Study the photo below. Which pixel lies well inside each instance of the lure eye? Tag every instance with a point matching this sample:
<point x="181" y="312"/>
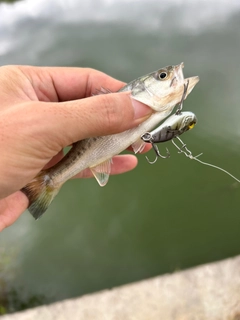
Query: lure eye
<point x="191" y="126"/>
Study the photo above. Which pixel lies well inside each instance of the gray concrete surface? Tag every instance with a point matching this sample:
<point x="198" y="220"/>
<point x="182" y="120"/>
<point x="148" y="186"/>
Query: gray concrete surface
<point x="209" y="292"/>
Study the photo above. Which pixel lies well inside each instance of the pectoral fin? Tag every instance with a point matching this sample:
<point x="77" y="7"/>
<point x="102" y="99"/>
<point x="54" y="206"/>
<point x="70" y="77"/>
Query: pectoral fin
<point x="102" y="171"/>
<point x="138" y="145"/>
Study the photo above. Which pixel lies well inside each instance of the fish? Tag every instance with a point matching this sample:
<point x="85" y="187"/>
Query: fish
<point x="161" y="90"/>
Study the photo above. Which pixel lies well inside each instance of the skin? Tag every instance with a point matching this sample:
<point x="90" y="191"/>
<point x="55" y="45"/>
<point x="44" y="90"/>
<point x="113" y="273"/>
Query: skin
<point x="43" y="110"/>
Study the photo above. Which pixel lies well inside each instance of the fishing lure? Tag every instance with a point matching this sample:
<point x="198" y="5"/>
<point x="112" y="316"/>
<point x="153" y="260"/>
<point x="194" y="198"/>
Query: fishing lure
<point x="171" y="128"/>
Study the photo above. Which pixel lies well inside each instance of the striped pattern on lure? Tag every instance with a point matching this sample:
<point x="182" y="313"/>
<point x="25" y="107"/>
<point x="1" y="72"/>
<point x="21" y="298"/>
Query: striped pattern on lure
<point x="161" y="90"/>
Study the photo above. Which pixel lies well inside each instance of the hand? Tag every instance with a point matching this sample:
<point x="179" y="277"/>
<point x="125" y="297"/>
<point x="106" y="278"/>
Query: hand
<point x="43" y="110"/>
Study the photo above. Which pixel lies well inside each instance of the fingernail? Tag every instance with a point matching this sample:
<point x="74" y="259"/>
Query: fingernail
<point x="141" y="110"/>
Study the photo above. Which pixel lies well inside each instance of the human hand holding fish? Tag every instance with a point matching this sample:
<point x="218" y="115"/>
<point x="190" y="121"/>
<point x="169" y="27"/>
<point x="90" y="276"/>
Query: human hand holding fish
<point x="44" y="110"/>
<point x="54" y="104"/>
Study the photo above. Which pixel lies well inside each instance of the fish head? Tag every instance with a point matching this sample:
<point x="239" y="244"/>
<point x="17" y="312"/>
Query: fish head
<point x="163" y="89"/>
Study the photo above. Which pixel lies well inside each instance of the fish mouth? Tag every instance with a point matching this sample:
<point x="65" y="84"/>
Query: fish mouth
<point x="179" y="66"/>
<point x="178" y="79"/>
<point x="178" y="76"/>
<point x="192" y="81"/>
<point x="178" y="72"/>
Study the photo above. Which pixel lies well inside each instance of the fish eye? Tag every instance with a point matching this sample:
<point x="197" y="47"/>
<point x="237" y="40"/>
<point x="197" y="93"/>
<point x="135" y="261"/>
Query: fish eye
<point x="163" y="75"/>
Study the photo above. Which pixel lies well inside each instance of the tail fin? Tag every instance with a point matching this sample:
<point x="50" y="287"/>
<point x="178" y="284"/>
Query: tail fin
<point x="40" y="192"/>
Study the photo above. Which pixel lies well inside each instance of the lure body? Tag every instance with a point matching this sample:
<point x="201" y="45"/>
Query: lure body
<point x="172" y="127"/>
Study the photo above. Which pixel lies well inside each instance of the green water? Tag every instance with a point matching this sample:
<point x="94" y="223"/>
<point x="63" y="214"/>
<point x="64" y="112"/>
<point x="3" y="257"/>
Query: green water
<point x="158" y="218"/>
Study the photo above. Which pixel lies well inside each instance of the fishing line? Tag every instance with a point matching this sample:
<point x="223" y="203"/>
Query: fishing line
<point x="188" y="154"/>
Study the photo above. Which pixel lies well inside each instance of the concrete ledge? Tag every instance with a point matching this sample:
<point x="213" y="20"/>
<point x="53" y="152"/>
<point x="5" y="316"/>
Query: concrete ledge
<point x="209" y="292"/>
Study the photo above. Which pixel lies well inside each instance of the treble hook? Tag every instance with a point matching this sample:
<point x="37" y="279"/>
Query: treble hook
<point x="179" y="109"/>
<point x="147" y="137"/>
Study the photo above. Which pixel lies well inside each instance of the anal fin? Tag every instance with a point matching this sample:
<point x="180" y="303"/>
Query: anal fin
<point x="102" y="172"/>
<point x="138" y="145"/>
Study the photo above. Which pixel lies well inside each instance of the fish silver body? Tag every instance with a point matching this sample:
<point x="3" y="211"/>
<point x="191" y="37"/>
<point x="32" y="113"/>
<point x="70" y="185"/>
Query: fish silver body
<point x="161" y="90"/>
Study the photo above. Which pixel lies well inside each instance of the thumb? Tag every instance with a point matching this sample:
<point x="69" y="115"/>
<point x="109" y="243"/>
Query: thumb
<point x="94" y="116"/>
